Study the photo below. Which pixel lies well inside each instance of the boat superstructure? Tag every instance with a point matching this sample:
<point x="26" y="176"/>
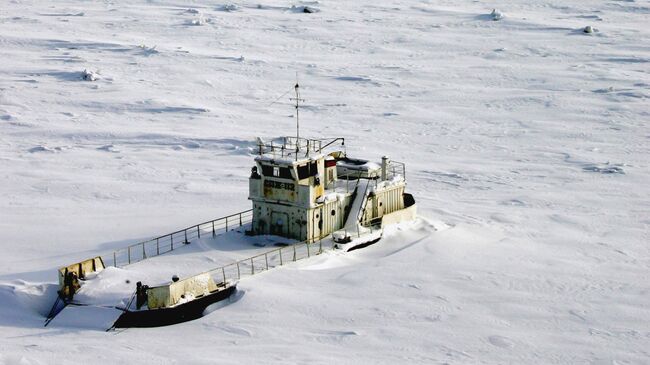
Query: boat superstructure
<point x="307" y="189"/>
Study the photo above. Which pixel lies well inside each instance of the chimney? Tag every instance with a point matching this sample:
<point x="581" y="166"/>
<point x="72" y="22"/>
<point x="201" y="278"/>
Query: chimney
<point x="384" y="167"/>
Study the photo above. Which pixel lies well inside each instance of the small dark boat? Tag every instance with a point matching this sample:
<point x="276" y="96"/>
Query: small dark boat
<point x="179" y="313"/>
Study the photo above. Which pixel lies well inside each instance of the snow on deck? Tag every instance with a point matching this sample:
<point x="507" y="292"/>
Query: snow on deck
<point x="114" y="286"/>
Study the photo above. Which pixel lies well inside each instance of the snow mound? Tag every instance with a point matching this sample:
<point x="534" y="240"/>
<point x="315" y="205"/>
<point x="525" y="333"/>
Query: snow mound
<point x="90" y="75"/>
<point x="197" y="21"/>
<point x="304" y="9"/>
<point x="229" y="8"/>
<point x="113" y="288"/>
<point x="27" y="299"/>
<point x="43" y="148"/>
<point x="108" y="148"/>
<point x="496" y="15"/>
<point x="148" y="51"/>
<point x="605" y="169"/>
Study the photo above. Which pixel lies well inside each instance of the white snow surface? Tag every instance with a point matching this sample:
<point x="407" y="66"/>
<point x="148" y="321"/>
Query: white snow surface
<point x="526" y="143"/>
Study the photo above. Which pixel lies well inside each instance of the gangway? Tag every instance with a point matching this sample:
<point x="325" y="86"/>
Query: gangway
<point x="354" y="234"/>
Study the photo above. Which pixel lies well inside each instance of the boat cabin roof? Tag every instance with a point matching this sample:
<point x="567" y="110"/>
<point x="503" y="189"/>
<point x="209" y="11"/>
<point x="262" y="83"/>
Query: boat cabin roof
<point x="298" y="151"/>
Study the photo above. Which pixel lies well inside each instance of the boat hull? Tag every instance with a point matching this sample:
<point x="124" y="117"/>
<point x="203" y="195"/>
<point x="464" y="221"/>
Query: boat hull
<point x="167" y="316"/>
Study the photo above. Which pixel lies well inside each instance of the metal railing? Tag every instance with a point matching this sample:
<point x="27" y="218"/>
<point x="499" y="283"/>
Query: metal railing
<point x="352" y="178"/>
<point x="167" y="243"/>
<point x="292" y="146"/>
<point x="266" y="261"/>
<point x="396" y="169"/>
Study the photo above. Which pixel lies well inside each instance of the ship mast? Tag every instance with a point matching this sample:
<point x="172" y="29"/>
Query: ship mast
<point x="298" y="100"/>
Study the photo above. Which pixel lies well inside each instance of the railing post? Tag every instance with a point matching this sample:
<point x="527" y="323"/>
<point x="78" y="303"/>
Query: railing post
<point x="144" y="254"/>
<point x="214" y="234"/>
<point x="280" y="252"/>
<point x="307" y="244"/>
<point x="252" y="267"/>
<point x="226" y="224"/>
<point x="114" y="259"/>
<point x="240" y="224"/>
<point x="294" y="252"/>
<point x="186" y="242"/>
<point x="157" y="246"/>
<point x="223" y="272"/>
<point x="238" y="272"/>
<point x="198" y="231"/>
<point x="320" y="245"/>
<point x="171" y="237"/>
<point x="267" y="260"/>
<point x="129" y="253"/>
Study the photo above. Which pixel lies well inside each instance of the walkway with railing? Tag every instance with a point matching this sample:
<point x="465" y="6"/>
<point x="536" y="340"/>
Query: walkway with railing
<point x="267" y="260"/>
<point x="167" y="243"/>
<point x="231" y="272"/>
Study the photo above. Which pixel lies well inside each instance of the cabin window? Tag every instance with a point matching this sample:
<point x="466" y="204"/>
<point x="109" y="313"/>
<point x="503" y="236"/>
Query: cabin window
<point x="277" y="171"/>
<point x="285" y="173"/>
<point x="307" y="170"/>
<point x="267" y="170"/>
<point x="303" y="172"/>
<point x="333" y="212"/>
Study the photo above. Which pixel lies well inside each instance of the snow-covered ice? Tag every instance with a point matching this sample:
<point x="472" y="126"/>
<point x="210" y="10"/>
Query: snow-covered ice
<point x="526" y="142"/>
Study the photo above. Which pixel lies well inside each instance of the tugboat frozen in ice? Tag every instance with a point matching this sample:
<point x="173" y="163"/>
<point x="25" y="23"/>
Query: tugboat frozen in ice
<point x="304" y="192"/>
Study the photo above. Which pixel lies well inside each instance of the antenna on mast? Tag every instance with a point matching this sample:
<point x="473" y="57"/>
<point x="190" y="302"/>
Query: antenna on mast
<point x="298" y="100"/>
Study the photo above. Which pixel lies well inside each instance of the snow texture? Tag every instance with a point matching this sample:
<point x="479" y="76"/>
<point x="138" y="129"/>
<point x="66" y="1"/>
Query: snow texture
<point x="526" y="142"/>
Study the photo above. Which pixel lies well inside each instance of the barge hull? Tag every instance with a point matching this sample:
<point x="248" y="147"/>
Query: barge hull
<point x="173" y="315"/>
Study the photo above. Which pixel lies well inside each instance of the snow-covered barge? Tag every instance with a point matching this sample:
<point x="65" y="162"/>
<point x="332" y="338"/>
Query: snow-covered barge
<point x="307" y="196"/>
<point x="304" y="192"/>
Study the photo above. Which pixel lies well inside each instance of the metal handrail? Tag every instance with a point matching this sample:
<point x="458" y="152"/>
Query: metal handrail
<point x="165" y="243"/>
<point x="279" y="261"/>
<point x="290" y="146"/>
<point x="394" y="167"/>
